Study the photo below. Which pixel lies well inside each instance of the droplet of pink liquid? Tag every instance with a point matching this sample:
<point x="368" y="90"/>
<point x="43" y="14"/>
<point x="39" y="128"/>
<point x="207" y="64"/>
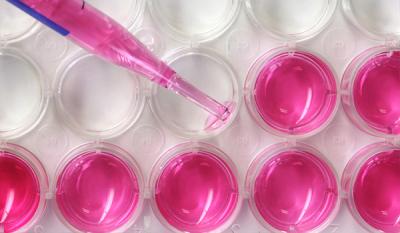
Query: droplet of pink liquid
<point x="376" y="191"/>
<point x="214" y="123"/>
<point x="196" y="192"/>
<point x="19" y="192"/>
<point x="295" y="92"/>
<point x="295" y="191"/>
<point x="376" y="92"/>
<point x="97" y="192"/>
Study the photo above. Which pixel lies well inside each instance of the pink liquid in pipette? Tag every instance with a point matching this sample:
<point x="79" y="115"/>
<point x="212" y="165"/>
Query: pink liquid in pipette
<point x="376" y="191"/>
<point x="19" y="192"/>
<point x="101" y="35"/>
<point x="295" y="191"/>
<point x="377" y="92"/>
<point x="295" y="92"/>
<point x="196" y="192"/>
<point x="97" y="192"/>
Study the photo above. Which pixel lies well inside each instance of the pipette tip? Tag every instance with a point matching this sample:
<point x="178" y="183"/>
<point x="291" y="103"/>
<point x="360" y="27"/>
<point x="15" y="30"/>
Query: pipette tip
<point x="214" y="122"/>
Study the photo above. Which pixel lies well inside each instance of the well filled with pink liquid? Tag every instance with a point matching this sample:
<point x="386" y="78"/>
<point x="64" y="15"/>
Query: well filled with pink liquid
<point x="295" y="191"/>
<point x="19" y="192"/>
<point x="376" y="92"/>
<point x="295" y="92"/>
<point x="196" y="192"/>
<point x="97" y="192"/>
<point x="376" y="191"/>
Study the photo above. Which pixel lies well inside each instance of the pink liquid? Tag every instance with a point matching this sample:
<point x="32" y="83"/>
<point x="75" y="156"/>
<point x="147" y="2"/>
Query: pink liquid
<point x="19" y="192"/>
<point x="196" y="192"/>
<point x="295" y="92"/>
<point x="377" y="92"/>
<point x="376" y="191"/>
<point x="295" y="191"/>
<point x="97" y="192"/>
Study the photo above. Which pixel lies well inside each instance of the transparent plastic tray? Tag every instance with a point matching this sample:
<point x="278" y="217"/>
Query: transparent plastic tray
<point x="312" y="140"/>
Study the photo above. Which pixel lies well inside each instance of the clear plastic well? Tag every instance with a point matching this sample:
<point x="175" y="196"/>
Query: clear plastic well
<point x="379" y="19"/>
<point x="209" y="72"/>
<point x="96" y="98"/>
<point x="291" y="20"/>
<point x="195" y="20"/>
<point x="23" y="97"/>
<point x="14" y="24"/>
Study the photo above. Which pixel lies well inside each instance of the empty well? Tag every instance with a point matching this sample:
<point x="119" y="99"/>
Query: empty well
<point x="23" y="100"/>
<point x="210" y="73"/>
<point x="380" y="19"/>
<point x="291" y="19"/>
<point x="96" y="98"/>
<point x="195" y="20"/>
<point x="14" y="23"/>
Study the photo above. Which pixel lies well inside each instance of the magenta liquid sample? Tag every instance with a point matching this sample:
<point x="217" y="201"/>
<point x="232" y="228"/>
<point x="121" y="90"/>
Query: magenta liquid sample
<point x="376" y="191"/>
<point x="97" y="192"/>
<point x="376" y="92"/>
<point x="295" y="92"/>
<point x="196" y="192"/>
<point x="295" y="190"/>
<point x="19" y="192"/>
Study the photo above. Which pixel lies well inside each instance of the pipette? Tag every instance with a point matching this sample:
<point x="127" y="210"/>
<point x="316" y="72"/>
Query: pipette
<point x="101" y="35"/>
